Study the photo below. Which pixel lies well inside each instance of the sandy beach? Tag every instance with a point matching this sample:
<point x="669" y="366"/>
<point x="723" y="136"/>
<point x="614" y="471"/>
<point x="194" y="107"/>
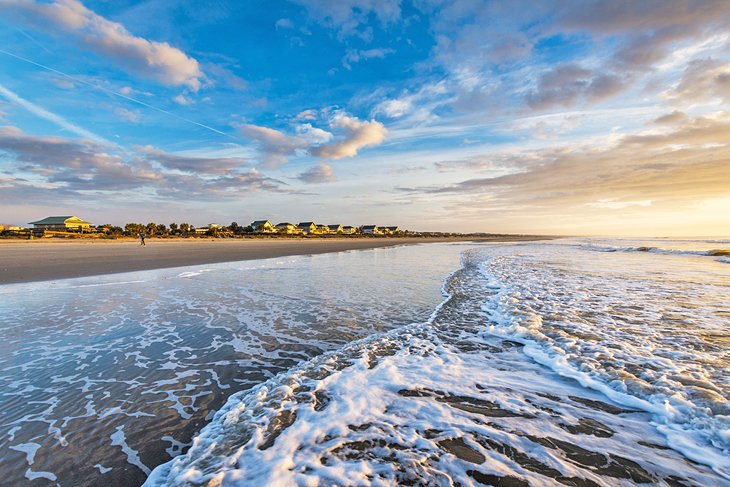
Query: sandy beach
<point x="40" y="260"/>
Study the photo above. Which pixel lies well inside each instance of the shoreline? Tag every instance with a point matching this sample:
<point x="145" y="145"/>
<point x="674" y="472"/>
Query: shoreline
<point x="39" y="260"/>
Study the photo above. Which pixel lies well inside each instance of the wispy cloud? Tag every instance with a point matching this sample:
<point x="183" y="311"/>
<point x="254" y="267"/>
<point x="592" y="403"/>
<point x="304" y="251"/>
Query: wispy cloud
<point x="51" y="117"/>
<point x="111" y="40"/>
<point x="356" y="55"/>
<point x="74" y="166"/>
<point x="688" y="163"/>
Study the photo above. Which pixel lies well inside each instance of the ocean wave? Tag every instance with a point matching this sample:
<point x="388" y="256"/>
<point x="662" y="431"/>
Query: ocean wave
<point x="657" y="250"/>
<point x="436" y="403"/>
<point x="583" y="330"/>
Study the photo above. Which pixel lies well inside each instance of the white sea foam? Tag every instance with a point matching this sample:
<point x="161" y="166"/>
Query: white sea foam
<point x="639" y="348"/>
<point x="442" y="402"/>
<point x="154" y="352"/>
<point x="118" y="439"/>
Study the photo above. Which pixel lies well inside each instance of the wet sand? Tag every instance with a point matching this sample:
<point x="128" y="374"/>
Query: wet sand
<point x="42" y="260"/>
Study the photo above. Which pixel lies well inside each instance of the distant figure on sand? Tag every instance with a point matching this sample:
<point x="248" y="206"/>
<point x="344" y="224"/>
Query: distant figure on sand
<point x="141" y="239"/>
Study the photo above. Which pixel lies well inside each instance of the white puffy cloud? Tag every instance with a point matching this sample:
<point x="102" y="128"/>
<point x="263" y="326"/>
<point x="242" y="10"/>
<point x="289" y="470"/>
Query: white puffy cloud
<point x="347" y="135"/>
<point x="356" y="135"/>
<point x="313" y="135"/>
<point x="111" y="40"/>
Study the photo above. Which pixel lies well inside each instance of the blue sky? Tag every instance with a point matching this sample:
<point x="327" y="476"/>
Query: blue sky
<point x="562" y="117"/>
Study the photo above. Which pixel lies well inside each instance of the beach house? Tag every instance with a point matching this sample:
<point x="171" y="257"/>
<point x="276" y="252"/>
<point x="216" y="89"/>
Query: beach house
<point x="263" y="226"/>
<point x="212" y="227"/>
<point x="371" y="230"/>
<point x="349" y="230"/>
<point x="62" y="223"/>
<point x="288" y="228"/>
<point x="393" y="230"/>
<point x="308" y="227"/>
<point x="335" y="228"/>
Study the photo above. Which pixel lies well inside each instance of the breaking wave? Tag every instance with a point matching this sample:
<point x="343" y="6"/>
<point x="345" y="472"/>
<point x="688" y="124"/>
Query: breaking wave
<point x="466" y="398"/>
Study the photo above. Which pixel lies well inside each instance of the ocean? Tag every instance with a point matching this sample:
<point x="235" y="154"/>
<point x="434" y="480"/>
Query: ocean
<point x="566" y="362"/>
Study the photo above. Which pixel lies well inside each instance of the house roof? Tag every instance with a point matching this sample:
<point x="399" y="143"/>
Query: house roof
<point x="260" y="222"/>
<point x="306" y="224"/>
<point x="394" y="227"/>
<point x="285" y="224"/>
<point x="335" y="226"/>
<point x="369" y="227"/>
<point x="58" y="220"/>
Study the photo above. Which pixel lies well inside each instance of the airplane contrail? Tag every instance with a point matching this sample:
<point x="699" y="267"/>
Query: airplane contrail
<point x="51" y="117"/>
<point x="112" y="92"/>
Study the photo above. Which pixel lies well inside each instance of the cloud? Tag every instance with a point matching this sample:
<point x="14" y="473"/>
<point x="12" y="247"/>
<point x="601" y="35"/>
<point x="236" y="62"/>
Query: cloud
<point x="284" y="23"/>
<point x="307" y="115"/>
<point x="703" y="79"/>
<point x="674" y="118"/>
<point x="313" y="135"/>
<point x="355" y="56"/>
<point x="70" y="168"/>
<point x="82" y="164"/>
<point x="195" y="165"/>
<point x="275" y="145"/>
<point x="111" y="40"/>
<point x="644" y="32"/>
<point x="181" y="99"/>
<point x="568" y="84"/>
<point x="322" y="173"/>
<point x="351" y="17"/>
<point x="51" y="117"/>
<point x="132" y="116"/>
<point x="350" y="135"/>
<point x="478" y="163"/>
<point x="357" y="134"/>
<point x="686" y="164"/>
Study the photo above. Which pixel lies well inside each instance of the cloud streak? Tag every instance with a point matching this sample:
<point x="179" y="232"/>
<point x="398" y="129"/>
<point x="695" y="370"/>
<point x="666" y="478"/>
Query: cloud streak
<point x="51" y="117"/>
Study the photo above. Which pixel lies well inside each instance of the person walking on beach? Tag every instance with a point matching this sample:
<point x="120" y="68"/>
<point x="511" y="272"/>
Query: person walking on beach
<point x="141" y="239"/>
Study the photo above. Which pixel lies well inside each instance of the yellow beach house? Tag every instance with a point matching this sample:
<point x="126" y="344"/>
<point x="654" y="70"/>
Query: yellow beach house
<point x="288" y="228"/>
<point x="62" y="223"/>
<point x="263" y="226"/>
<point x="308" y="227"/>
<point x="371" y="230"/>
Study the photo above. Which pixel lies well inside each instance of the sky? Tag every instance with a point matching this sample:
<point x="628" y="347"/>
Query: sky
<point x="563" y="117"/>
